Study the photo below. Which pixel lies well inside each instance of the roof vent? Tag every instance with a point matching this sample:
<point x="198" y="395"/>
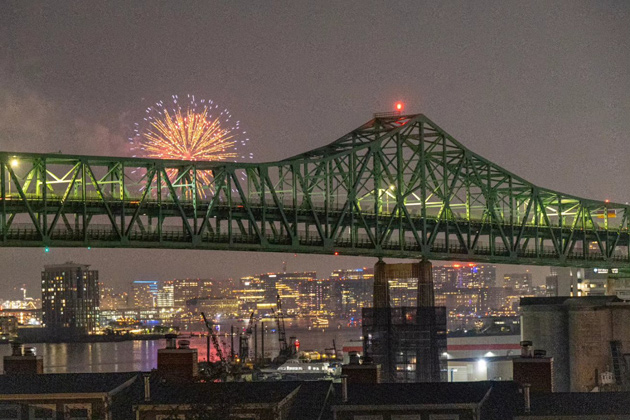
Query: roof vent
<point x="354" y="358"/>
<point x="16" y="348"/>
<point x="171" y="341"/>
<point x="540" y="353"/>
<point x="526" y="349"/>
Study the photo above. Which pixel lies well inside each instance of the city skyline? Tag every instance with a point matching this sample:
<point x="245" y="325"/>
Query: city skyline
<point x="521" y="85"/>
<point x="314" y="210"/>
<point x="301" y="263"/>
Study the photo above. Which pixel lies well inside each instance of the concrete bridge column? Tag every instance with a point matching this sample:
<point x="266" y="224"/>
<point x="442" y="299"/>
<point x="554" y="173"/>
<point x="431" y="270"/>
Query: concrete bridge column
<point x="426" y="296"/>
<point x="381" y="286"/>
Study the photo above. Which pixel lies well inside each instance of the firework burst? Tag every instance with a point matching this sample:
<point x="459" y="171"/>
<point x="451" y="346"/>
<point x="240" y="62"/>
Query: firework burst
<point x="186" y="129"/>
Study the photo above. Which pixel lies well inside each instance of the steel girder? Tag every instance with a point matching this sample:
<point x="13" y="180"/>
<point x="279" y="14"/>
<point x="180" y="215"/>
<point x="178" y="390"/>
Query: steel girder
<point x="397" y="186"/>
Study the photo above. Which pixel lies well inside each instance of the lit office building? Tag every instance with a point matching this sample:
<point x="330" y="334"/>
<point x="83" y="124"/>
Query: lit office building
<point x="213" y="307"/>
<point x="445" y="276"/>
<point x="464" y="276"/>
<point x="186" y="289"/>
<point x="402" y="292"/>
<point x="165" y="297"/>
<point x="250" y="294"/>
<point x="111" y="300"/>
<point x="144" y="293"/>
<point x="352" y="290"/>
<point x="520" y="283"/>
<point x="70" y="299"/>
<point x="287" y="286"/>
<point x="593" y="281"/>
<point x="315" y="297"/>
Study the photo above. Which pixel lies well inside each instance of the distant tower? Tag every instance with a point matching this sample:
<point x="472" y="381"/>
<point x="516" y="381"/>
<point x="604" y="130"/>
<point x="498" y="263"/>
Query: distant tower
<point x="70" y="299"/>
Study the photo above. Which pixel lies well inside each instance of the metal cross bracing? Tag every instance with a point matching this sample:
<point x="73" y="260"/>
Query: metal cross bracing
<point x="398" y="186"/>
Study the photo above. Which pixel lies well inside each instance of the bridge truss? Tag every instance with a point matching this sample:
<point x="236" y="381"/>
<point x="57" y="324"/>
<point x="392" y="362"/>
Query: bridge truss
<point x="398" y="186"/>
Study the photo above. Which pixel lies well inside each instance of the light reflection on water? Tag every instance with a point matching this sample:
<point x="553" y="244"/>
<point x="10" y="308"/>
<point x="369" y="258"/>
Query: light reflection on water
<point x="129" y="356"/>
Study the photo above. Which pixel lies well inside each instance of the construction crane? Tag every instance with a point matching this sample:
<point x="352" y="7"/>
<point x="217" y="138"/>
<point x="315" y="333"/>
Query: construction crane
<point x="282" y="335"/>
<point x="215" y="343"/>
<point x="243" y="344"/>
<point x="286" y="351"/>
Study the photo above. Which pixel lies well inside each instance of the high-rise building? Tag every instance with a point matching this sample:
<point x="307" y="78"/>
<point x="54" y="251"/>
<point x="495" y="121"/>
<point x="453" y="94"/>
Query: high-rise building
<point x="70" y="299"/>
<point x="111" y="300"/>
<point x="186" y="289"/>
<point x="592" y="282"/>
<point x="562" y="282"/>
<point x="352" y="290"/>
<point x="315" y="297"/>
<point x="464" y="276"/>
<point x="402" y="289"/>
<point x="445" y="276"/>
<point x="144" y="294"/>
<point x="165" y="297"/>
<point x="520" y="283"/>
<point x="250" y="293"/>
<point x="287" y="286"/>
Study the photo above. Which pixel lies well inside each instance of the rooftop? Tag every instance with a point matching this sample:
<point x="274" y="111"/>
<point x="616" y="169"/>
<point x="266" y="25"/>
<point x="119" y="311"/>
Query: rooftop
<point x="214" y="393"/>
<point x="580" y="403"/>
<point x="498" y="400"/>
<point x="415" y="393"/>
<point x="63" y="383"/>
<point x="569" y="300"/>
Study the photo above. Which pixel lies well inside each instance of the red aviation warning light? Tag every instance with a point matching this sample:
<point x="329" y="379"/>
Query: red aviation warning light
<point x="399" y="106"/>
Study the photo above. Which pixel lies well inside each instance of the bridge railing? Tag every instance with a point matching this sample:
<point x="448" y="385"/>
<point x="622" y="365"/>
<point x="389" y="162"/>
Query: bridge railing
<point x="98" y="232"/>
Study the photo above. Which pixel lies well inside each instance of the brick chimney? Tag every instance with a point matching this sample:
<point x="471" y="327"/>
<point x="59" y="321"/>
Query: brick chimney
<point x="22" y="360"/>
<point x="177" y="363"/>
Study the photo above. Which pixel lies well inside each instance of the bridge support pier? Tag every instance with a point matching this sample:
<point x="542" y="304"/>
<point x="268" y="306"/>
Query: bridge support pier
<point x="381" y="286"/>
<point x="426" y="296"/>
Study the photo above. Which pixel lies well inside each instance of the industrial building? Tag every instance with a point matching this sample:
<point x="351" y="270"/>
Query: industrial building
<point x="586" y="336"/>
<point x="408" y="342"/>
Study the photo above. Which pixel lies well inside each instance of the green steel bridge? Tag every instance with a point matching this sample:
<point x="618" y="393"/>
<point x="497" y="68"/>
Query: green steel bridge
<point x="398" y="186"/>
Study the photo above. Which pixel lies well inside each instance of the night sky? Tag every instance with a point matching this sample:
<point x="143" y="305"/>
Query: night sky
<point x="541" y="88"/>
